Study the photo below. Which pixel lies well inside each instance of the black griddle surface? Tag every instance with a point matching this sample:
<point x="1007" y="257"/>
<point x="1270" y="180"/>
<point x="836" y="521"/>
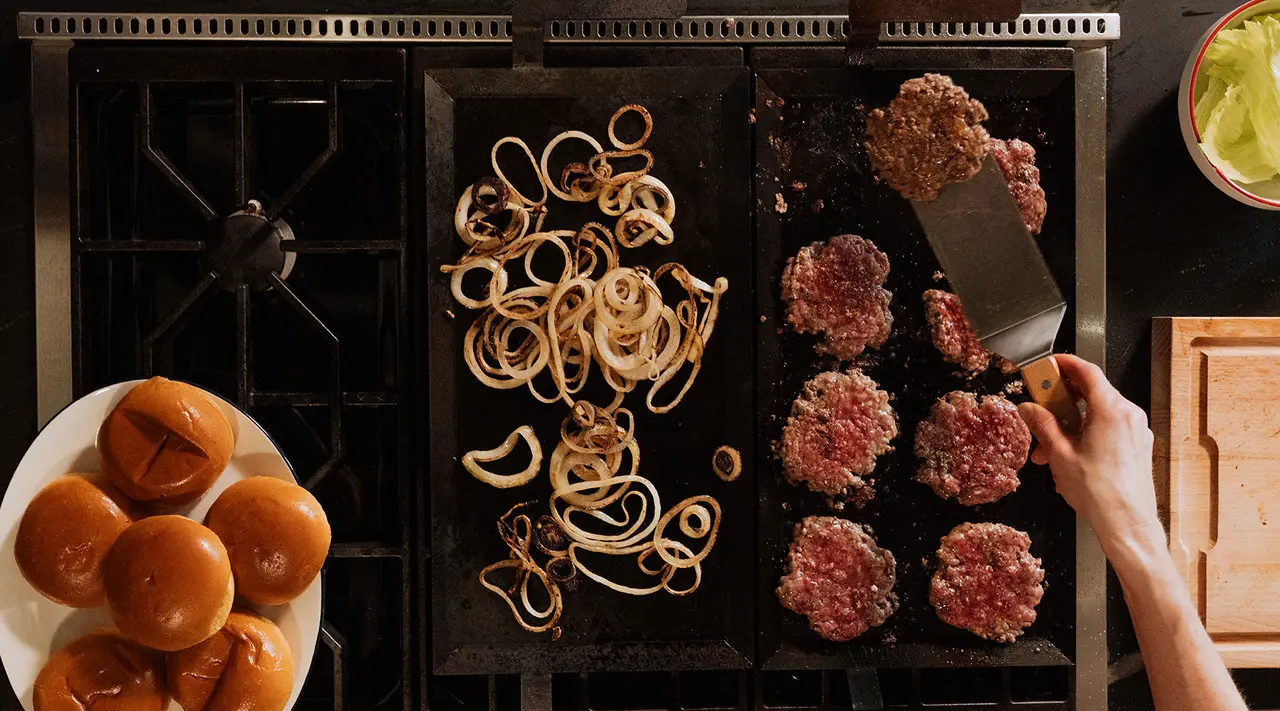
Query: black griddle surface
<point x="809" y="133"/>
<point x="701" y="147"/>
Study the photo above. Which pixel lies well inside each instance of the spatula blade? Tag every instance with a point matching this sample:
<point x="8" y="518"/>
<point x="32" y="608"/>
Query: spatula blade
<point x="994" y="265"/>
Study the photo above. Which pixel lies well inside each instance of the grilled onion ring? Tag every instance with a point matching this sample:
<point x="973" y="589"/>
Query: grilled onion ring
<point x="566" y="193"/>
<point x="497" y="169"/>
<point x="648" y="127"/>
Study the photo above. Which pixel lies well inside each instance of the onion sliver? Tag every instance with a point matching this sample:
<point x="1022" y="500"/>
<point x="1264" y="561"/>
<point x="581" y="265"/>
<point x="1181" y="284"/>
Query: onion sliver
<point x="556" y="605"/>
<point x="707" y="511"/>
<point x="640" y="226"/>
<point x="497" y="169"/>
<point x="498" y="276"/>
<point x="546" y="155"/>
<point x="472" y="460"/>
<point x="640" y="192"/>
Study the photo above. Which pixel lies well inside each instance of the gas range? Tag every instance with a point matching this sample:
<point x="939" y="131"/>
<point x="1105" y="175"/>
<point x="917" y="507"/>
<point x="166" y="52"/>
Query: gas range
<point x="242" y="201"/>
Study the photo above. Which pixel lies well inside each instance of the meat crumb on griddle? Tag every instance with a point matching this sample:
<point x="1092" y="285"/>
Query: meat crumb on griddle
<point x="1017" y="160"/>
<point x="838" y="426"/>
<point x="837" y="289"/>
<point x="931" y="135"/>
<point x="972" y="450"/>
<point x="987" y="581"/>
<point x="954" y="336"/>
<point x="839" y="578"/>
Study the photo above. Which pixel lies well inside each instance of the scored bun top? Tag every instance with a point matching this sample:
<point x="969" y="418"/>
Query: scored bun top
<point x="276" y="534"/>
<point x="245" y="665"/>
<point x="65" y="534"/>
<point x="168" y="582"/>
<point x="166" y="442"/>
<point x="102" y="671"/>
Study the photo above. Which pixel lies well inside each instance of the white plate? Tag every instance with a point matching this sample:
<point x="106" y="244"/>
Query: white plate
<point x="32" y="627"/>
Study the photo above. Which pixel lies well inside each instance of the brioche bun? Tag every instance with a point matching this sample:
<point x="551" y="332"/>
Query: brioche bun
<point x="245" y="665"/>
<point x="276" y="535"/>
<point x="65" y="534"/>
<point x="168" y="583"/>
<point x="102" y="671"/>
<point x="165" y="442"/>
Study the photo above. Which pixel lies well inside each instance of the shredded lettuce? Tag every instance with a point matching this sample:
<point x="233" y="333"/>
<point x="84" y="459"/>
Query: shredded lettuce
<point x="1213" y="94"/>
<point x="1230" y="142"/>
<point x="1239" y="112"/>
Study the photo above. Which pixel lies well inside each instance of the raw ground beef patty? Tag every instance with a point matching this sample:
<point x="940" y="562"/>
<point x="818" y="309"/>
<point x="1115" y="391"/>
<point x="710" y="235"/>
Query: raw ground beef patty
<point x="839" y="578"/>
<point x="931" y="135"/>
<point x="987" y="582"/>
<point x="837" y="289"/>
<point x="1017" y="160"/>
<point x="953" y="335"/>
<point x="972" y="449"/>
<point x="838" y="426"/>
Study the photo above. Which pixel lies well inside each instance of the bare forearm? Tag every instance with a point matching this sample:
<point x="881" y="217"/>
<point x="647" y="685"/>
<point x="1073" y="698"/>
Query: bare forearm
<point x="1184" y="670"/>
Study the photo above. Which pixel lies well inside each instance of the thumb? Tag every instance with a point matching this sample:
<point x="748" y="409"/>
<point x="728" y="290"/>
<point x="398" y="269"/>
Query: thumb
<point x="1045" y="427"/>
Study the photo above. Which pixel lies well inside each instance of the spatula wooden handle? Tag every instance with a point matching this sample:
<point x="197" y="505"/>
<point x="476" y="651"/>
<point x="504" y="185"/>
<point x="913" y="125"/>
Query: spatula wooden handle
<point x="1050" y="392"/>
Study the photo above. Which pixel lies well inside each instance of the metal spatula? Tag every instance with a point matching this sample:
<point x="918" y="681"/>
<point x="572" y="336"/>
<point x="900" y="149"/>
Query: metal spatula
<point x="995" y="267"/>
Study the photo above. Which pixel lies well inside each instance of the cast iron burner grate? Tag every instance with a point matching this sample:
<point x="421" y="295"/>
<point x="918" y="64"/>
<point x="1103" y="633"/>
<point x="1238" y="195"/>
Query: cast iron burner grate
<point x="241" y="224"/>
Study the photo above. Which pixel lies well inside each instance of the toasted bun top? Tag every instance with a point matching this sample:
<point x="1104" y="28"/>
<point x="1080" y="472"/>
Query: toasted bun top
<point x="168" y="582"/>
<point x="245" y="665"/>
<point x="102" y="671"/>
<point x="65" y="534"/>
<point x="165" y="441"/>
<point x="276" y="534"/>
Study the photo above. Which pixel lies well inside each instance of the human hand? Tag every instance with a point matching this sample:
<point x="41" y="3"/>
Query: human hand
<point x="1104" y="472"/>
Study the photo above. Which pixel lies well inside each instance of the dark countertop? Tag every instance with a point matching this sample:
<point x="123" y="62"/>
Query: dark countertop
<point x="1177" y="246"/>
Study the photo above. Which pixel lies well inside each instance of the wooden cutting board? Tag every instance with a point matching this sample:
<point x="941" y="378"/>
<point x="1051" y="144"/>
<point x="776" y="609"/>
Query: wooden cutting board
<point x="1215" y="412"/>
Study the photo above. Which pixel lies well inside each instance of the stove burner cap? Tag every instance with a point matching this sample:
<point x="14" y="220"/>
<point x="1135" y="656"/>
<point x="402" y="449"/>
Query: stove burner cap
<point x="244" y="249"/>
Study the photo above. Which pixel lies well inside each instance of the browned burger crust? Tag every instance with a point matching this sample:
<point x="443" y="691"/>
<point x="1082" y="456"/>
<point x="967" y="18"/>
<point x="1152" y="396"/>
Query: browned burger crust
<point x="839" y="578"/>
<point x="931" y="135"/>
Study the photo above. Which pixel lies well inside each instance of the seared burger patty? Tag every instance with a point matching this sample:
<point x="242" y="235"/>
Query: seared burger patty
<point x="1017" y="160"/>
<point x="838" y="426"/>
<point x="987" y="581"/>
<point x="931" y="135"/>
<point x="839" y="578"/>
<point x="953" y="335"/>
<point x="837" y="289"/>
<point x="972" y="449"/>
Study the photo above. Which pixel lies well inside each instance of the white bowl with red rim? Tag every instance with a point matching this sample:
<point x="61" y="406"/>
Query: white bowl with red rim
<point x="1195" y="78"/>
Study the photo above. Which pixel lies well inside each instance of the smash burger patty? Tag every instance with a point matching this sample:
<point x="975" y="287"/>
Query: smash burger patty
<point x="837" y="289"/>
<point x="987" y="582"/>
<point x="1017" y="160"/>
<point x="930" y="136"/>
<point x="838" y="426"/>
<point x="839" y="578"/>
<point x="953" y="335"/>
<point x="971" y="449"/>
